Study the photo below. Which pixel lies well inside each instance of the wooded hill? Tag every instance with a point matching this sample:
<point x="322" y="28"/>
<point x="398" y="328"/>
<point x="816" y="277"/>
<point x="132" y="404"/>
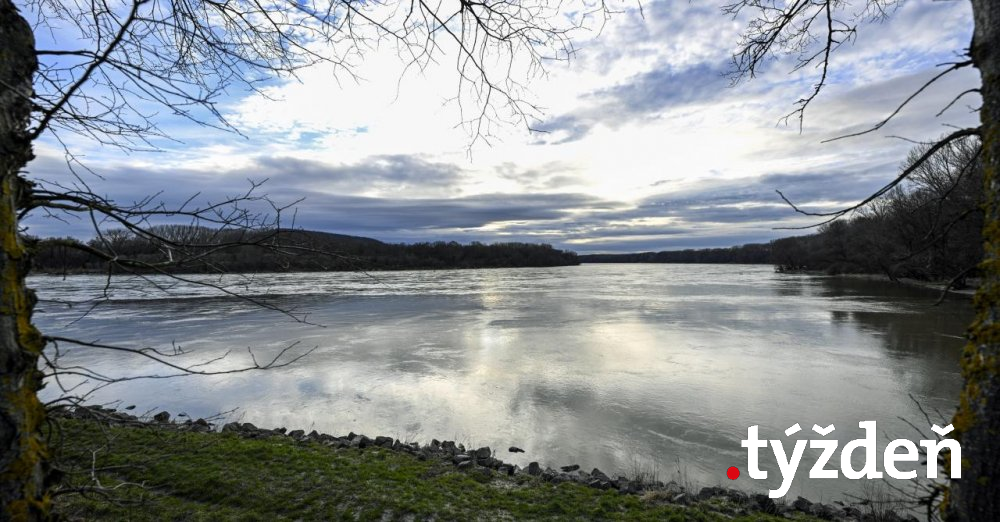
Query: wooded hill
<point x="174" y="248"/>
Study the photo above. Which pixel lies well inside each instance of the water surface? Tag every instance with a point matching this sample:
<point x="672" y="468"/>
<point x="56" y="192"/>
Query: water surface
<point x="611" y="366"/>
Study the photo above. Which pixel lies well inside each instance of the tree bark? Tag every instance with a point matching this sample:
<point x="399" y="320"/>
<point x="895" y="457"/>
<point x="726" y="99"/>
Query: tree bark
<point x="23" y="455"/>
<point x="976" y="496"/>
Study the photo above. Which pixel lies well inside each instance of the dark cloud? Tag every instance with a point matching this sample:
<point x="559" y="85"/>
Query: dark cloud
<point x="313" y="186"/>
<point x="713" y="196"/>
<point x="664" y="87"/>
<point x="387" y="172"/>
<point x="386" y="214"/>
<point x="707" y="213"/>
<point x="643" y="96"/>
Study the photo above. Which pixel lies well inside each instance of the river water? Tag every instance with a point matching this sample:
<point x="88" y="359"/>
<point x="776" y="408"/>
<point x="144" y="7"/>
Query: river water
<point x="613" y="366"/>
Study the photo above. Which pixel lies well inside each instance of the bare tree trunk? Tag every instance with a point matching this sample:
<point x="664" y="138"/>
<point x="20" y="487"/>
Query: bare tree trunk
<point x="976" y="496"/>
<point x="23" y="455"/>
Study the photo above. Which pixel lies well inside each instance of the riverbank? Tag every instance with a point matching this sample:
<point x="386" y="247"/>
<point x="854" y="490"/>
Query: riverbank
<point x="162" y="470"/>
<point x="936" y="286"/>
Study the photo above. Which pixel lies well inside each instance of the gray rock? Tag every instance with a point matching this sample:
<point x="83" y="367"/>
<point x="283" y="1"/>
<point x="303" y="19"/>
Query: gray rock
<point x="852" y="512"/>
<point x="448" y="446"/>
<point x="737" y="497"/>
<point x="711" y="492"/>
<point x="599" y="484"/>
<point x="295" y="434"/>
<point x="598" y="474"/>
<point x="232" y="427"/>
<point x="837" y="513"/>
<point x="515" y="449"/>
<point x="764" y="503"/>
<point x="465" y="465"/>
<point x="682" y="499"/>
<point x="506" y="469"/>
<point x="385" y="442"/>
<point x="460" y="458"/>
<point x="249" y="427"/>
<point x="820" y="510"/>
<point x="364" y="442"/>
<point x="484" y="453"/>
<point x="626" y="486"/>
<point x="569" y="468"/>
<point x="801" y="504"/>
<point x="559" y="478"/>
<point x="162" y="417"/>
<point x="534" y="469"/>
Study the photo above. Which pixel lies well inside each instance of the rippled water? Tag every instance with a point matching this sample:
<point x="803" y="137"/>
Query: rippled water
<point x="601" y="365"/>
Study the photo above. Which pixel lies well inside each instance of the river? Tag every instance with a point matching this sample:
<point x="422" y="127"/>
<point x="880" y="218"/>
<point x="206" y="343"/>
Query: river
<point x="612" y="366"/>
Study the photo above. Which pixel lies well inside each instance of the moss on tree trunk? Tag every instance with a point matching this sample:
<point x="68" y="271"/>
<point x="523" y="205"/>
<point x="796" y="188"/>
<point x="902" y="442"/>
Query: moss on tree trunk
<point x="976" y="496"/>
<point x="23" y="455"/>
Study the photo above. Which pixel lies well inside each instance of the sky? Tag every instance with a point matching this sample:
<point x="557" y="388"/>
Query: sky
<point x="641" y="142"/>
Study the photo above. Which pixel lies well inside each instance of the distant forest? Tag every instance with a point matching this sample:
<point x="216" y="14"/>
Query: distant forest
<point x="756" y="253"/>
<point x="178" y="248"/>
<point x="928" y="228"/>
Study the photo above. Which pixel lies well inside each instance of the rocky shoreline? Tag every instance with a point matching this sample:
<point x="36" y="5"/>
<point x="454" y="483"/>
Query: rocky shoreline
<point x="484" y="461"/>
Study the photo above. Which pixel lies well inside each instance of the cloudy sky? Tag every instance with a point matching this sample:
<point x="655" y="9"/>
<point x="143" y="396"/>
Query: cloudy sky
<point x="641" y="144"/>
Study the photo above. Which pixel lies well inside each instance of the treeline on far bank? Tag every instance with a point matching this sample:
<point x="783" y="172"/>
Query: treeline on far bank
<point x="751" y="254"/>
<point x="927" y="227"/>
<point x="189" y="249"/>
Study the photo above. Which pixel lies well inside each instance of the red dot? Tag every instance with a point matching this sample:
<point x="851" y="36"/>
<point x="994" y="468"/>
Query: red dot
<point x="733" y="473"/>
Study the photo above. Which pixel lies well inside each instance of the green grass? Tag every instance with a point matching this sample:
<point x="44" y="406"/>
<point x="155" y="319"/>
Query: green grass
<point x="196" y="476"/>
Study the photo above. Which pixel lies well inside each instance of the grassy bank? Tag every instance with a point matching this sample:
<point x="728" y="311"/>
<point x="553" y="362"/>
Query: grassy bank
<point x="212" y="476"/>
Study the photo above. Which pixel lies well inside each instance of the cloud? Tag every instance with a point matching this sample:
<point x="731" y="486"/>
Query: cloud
<point x="643" y="96"/>
<point x="552" y="175"/>
<point x="644" y="144"/>
<point x="390" y="215"/>
<point x="381" y="196"/>
<point x="395" y="173"/>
